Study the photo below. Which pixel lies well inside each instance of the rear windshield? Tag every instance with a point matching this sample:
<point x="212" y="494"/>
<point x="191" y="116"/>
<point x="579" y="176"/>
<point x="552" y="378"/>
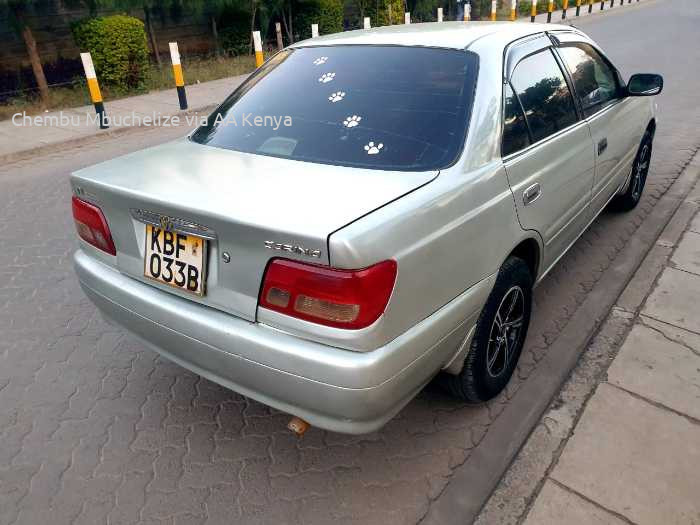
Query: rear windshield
<point x="382" y="107"/>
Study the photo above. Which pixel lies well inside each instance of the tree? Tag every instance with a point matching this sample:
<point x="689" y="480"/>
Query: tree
<point x="281" y="9"/>
<point x="149" y="7"/>
<point x="212" y="9"/>
<point x="18" y="10"/>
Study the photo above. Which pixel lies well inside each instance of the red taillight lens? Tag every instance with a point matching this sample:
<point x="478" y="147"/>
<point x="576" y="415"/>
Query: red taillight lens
<point x="342" y="298"/>
<point x="92" y="226"/>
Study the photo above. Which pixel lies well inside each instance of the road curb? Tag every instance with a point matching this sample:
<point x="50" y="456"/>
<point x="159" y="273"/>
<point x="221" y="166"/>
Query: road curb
<point x="472" y="484"/>
<point x="518" y="488"/>
<point x="97" y="137"/>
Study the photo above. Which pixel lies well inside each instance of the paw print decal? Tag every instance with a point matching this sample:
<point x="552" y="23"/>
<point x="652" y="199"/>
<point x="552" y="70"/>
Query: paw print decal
<point x="337" y="96"/>
<point x="351" y="122"/>
<point x="371" y="149"/>
<point x="326" y="77"/>
<point x="320" y="60"/>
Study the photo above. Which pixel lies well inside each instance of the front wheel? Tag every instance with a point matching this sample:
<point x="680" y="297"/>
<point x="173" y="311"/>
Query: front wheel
<point x="640" y="169"/>
<point x="498" y="338"/>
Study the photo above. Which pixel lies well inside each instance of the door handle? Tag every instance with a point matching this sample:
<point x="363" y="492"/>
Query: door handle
<point x="602" y="145"/>
<point x="531" y="194"/>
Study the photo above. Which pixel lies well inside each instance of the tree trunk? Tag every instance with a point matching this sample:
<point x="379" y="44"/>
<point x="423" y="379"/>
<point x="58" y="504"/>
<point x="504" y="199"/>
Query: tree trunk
<point x="152" y="35"/>
<point x="215" y="35"/>
<point x="34" y="58"/>
<point x="253" y="10"/>
<point x="288" y="26"/>
<point x="37" y="68"/>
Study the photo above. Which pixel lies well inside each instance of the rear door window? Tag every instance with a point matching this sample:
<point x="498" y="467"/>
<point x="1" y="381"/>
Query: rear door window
<point x="384" y="107"/>
<point x="544" y="95"/>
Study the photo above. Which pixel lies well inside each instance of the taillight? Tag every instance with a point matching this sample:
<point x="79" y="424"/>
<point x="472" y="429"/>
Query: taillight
<point x="342" y="298"/>
<point x="92" y="226"/>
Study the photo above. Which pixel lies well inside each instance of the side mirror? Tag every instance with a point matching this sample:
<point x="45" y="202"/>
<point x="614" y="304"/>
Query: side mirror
<point x="645" y="85"/>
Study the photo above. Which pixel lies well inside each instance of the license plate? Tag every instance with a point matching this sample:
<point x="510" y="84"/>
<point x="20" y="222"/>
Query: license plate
<point x="176" y="259"/>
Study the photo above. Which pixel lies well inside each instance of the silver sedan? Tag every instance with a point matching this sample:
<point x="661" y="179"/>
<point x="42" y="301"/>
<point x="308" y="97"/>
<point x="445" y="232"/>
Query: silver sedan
<point x="368" y="211"/>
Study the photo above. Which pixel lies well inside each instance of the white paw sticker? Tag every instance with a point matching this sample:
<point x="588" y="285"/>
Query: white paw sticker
<point x="320" y="60"/>
<point x="371" y="149"/>
<point x="337" y="96"/>
<point x="351" y="122"/>
<point x="326" y="77"/>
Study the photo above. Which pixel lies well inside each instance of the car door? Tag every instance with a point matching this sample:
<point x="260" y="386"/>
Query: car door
<point x="612" y="118"/>
<point x="547" y="149"/>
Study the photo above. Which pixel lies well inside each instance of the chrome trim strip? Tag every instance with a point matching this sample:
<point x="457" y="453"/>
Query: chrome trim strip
<point x="175" y="224"/>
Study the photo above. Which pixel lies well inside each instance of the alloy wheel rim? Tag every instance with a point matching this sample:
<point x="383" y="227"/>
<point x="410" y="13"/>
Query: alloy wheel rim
<point x="640" y="172"/>
<point x="506" y="330"/>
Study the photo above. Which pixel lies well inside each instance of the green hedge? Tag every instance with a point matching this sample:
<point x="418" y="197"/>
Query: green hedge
<point x="118" y="47"/>
<point x="233" y="22"/>
<point x="328" y="14"/>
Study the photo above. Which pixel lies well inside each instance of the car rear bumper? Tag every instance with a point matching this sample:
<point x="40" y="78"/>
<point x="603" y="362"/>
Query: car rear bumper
<point x="335" y="389"/>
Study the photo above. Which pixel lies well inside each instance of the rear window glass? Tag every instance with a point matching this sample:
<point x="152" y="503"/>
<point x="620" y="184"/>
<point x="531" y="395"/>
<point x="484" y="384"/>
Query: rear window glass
<point x="383" y="107"/>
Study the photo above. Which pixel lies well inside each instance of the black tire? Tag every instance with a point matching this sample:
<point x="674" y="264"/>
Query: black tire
<point x="483" y="376"/>
<point x="640" y="169"/>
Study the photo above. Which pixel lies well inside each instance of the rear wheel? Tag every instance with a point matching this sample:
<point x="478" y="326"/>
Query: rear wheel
<point x="498" y="338"/>
<point x="640" y="169"/>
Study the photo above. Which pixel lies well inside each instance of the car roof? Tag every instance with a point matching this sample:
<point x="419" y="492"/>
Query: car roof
<point x="453" y="35"/>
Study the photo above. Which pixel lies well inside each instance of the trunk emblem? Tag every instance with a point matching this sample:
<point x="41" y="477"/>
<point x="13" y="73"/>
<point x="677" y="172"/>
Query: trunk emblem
<point x="165" y="222"/>
<point x="293" y="248"/>
<point x="175" y="224"/>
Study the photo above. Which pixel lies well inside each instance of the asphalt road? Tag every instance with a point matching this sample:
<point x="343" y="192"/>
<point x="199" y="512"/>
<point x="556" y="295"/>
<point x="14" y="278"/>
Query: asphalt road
<point x="94" y="428"/>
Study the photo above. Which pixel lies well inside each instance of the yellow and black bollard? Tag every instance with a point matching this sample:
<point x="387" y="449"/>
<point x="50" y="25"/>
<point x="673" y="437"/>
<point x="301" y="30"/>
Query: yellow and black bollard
<point x="513" y="10"/>
<point x="177" y="74"/>
<point x="550" y="9"/>
<point x="533" y="11"/>
<point x="94" y="88"/>
<point x="565" y="6"/>
<point x="494" y="8"/>
<point x="257" y="45"/>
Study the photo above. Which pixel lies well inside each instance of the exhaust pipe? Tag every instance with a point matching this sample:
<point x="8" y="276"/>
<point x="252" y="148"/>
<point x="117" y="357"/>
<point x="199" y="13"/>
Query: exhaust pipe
<point x="298" y="426"/>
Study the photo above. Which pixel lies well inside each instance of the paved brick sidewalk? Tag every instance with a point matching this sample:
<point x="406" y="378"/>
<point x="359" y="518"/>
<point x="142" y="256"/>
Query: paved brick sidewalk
<point x="621" y="441"/>
<point x="635" y="453"/>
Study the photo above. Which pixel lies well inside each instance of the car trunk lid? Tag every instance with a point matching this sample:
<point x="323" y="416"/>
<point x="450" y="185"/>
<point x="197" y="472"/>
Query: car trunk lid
<point x="256" y="207"/>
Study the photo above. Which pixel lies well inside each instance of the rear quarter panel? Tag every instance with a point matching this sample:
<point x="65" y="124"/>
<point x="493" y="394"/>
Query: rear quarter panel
<point x="446" y="237"/>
